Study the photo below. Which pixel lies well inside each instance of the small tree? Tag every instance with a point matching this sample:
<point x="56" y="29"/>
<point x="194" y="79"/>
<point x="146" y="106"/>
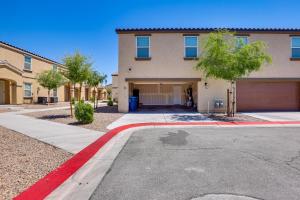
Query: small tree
<point x="94" y="79"/>
<point x="78" y="70"/>
<point x="225" y="57"/>
<point x="51" y="80"/>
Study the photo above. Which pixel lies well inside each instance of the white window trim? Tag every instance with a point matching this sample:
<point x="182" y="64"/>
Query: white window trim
<point x="136" y="46"/>
<point x="53" y="92"/>
<point x="197" y="46"/>
<point x="294" y="47"/>
<point x="27" y="63"/>
<point x="55" y="67"/>
<point x="25" y="89"/>
<point x="242" y="36"/>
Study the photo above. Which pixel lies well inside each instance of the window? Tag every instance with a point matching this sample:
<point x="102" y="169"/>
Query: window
<point x="54" y="92"/>
<point x="241" y="40"/>
<point x="191" y="46"/>
<point x="295" y="47"/>
<point x="54" y="67"/>
<point x="142" y="46"/>
<point x="27" y="63"/>
<point x="27" y="90"/>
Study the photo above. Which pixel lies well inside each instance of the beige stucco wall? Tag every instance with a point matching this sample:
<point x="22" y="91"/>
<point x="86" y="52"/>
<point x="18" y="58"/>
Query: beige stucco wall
<point x="167" y="52"/>
<point x="16" y="58"/>
<point x="114" y="90"/>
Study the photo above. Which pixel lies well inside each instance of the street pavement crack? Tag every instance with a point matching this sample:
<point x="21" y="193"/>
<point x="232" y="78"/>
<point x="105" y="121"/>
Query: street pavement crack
<point x="292" y="160"/>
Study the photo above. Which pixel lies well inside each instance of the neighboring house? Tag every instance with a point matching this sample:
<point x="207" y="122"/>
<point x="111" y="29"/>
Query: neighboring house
<point x="158" y="66"/>
<point x="102" y="93"/>
<point x="114" y="90"/>
<point x="18" y="71"/>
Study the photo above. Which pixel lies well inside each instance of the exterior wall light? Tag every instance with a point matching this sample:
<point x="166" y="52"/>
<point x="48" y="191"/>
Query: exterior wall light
<point x="206" y="85"/>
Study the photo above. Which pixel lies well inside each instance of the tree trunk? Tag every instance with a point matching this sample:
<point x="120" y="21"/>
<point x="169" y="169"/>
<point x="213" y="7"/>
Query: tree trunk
<point x="79" y="93"/>
<point x="94" y="96"/>
<point x="48" y="99"/>
<point x="70" y="96"/>
<point x="228" y="103"/>
<point x="74" y="89"/>
<point x="97" y="98"/>
<point x="233" y="97"/>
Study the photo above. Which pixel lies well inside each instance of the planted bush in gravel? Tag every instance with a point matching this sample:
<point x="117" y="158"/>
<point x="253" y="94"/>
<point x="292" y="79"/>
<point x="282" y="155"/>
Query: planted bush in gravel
<point x="110" y="102"/>
<point x="84" y="112"/>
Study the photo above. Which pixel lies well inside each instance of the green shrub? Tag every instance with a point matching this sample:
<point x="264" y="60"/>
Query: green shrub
<point x="110" y="103"/>
<point x="73" y="100"/>
<point x="84" y="112"/>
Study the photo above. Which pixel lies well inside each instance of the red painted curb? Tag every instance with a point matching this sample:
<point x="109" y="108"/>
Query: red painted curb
<point x="54" y="179"/>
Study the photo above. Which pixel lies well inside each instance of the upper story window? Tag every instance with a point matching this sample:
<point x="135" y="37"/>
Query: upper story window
<point x="143" y="46"/>
<point x="241" y="41"/>
<point x="191" y="46"/>
<point x="54" y="67"/>
<point x="295" y="45"/>
<point x="27" y="90"/>
<point x="27" y="63"/>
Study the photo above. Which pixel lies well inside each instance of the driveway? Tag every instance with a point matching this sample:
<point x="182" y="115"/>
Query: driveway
<point x="144" y="117"/>
<point x="206" y="163"/>
<point x="276" y="116"/>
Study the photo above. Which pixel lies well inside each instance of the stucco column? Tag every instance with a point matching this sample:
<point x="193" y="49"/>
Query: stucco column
<point x="19" y="94"/>
<point x="124" y="93"/>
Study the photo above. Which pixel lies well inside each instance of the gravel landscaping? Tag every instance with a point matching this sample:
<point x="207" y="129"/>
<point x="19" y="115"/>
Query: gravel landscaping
<point x="103" y="116"/>
<point x="24" y="161"/>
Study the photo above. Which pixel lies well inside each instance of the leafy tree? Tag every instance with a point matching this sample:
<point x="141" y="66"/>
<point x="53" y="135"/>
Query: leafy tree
<point x="50" y="79"/>
<point x="226" y="57"/>
<point x="78" y="69"/>
<point x="94" y="79"/>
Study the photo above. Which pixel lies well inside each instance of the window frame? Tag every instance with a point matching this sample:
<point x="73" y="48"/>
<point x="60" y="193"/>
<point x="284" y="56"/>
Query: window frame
<point x="27" y="63"/>
<point x="54" y="91"/>
<point x="54" y="67"/>
<point x="197" y="46"/>
<point x="136" y="47"/>
<point x="292" y="57"/>
<point x="242" y="36"/>
<point x="27" y="90"/>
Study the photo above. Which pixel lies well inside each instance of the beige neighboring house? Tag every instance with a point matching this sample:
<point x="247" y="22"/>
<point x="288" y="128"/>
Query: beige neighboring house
<point x="114" y="88"/>
<point x="18" y="71"/>
<point x="158" y="66"/>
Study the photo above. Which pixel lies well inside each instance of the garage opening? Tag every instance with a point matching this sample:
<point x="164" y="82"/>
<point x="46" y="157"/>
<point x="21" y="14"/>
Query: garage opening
<point x="166" y="96"/>
<point x="253" y="95"/>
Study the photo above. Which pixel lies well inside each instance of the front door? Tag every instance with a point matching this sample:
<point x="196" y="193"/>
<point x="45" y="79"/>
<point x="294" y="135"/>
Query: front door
<point x="177" y="95"/>
<point x="2" y="92"/>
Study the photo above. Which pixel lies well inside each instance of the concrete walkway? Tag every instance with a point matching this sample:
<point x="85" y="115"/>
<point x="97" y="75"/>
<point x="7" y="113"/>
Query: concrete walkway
<point x="131" y="118"/>
<point x="276" y="116"/>
<point x="67" y="137"/>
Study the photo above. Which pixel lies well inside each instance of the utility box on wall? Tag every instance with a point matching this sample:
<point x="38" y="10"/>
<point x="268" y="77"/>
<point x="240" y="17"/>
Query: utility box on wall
<point x="218" y="105"/>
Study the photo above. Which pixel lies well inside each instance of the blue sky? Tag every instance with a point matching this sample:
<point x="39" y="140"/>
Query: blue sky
<point x="55" y="28"/>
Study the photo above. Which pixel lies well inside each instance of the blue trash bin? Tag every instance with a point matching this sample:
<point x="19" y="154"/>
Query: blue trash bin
<point x="133" y="104"/>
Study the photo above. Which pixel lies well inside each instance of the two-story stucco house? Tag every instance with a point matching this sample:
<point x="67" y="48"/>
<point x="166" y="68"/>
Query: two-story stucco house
<point x="18" y="71"/>
<point x="157" y="65"/>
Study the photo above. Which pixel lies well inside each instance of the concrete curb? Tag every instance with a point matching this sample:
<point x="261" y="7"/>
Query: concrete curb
<point x="78" y="172"/>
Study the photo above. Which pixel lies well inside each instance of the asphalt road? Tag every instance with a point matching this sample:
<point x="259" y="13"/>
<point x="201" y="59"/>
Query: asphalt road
<point x="206" y="164"/>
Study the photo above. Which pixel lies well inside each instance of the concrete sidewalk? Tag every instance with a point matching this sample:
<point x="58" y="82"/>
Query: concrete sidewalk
<point x="132" y="118"/>
<point x="276" y="116"/>
<point x="67" y="137"/>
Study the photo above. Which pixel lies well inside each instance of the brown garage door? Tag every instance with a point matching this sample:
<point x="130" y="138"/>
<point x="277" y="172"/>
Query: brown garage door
<point x="268" y="96"/>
